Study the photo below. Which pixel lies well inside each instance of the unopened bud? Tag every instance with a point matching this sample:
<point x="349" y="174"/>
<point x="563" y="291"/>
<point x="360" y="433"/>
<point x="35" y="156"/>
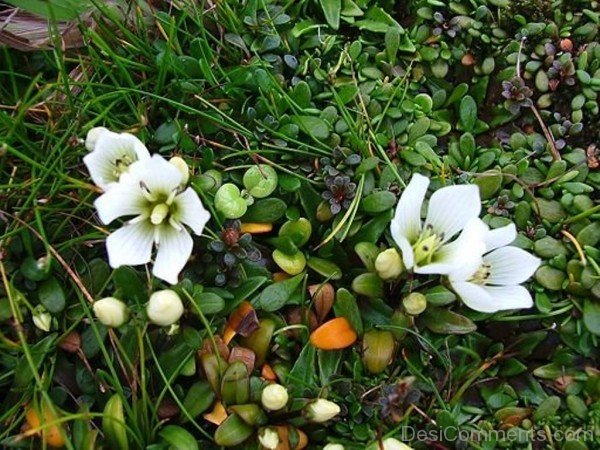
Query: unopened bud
<point x="388" y="264"/>
<point x="183" y="168"/>
<point x="268" y="438"/>
<point x="92" y="137"/>
<point x="111" y="312"/>
<point x="274" y="397"/>
<point x="394" y="444"/>
<point x="164" y="308"/>
<point x="42" y="319"/>
<point x="322" y="410"/>
<point x="415" y="303"/>
<point x="334" y="447"/>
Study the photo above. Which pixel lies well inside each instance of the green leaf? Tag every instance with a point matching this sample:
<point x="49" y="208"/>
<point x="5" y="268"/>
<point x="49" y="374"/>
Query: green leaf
<point x="440" y="320"/>
<point x="129" y="284"/>
<point x="209" y="303"/>
<point x="332" y="10"/>
<point x="468" y="112"/>
<point x="378" y="202"/>
<point x="346" y="306"/>
<point x="303" y="373"/>
<point x="276" y="295"/>
<point x="267" y="210"/>
<point x="52" y="296"/>
<point x="179" y="438"/>
<point x="313" y="126"/>
<point x="591" y="316"/>
<point x="329" y="362"/>
<point x="38" y="351"/>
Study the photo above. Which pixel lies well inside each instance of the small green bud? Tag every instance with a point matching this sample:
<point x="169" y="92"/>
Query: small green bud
<point x="415" y="303"/>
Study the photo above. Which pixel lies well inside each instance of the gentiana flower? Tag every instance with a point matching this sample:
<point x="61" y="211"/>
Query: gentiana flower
<point x="152" y="191"/>
<point x="111" y="155"/>
<point x="494" y="284"/>
<point x="430" y="247"/>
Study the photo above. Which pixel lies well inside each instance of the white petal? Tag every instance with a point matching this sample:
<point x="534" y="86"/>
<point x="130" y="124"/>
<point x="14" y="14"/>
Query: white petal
<point x="510" y="266"/>
<point x="474" y="296"/>
<point x="408" y="255"/>
<point x="450" y="208"/>
<point x="462" y="256"/>
<point x="510" y="297"/>
<point x="174" y="250"/>
<point x="490" y="299"/>
<point x="92" y="137"/>
<point x="108" y="149"/>
<point x="190" y="210"/>
<point x="157" y="174"/>
<point x="123" y="199"/>
<point x="500" y="237"/>
<point x="130" y="245"/>
<point x="407" y="219"/>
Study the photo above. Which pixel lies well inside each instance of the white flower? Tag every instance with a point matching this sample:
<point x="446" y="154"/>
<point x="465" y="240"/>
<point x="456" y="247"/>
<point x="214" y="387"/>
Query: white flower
<point x="164" y="308"/>
<point x="428" y="248"/>
<point x="274" y="397"/>
<point x="111" y="155"/>
<point x="111" y="311"/>
<point x="268" y="438"/>
<point x="152" y="192"/>
<point x="494" y="284"/>
<point x="42" y="319"/>
<point x="322" y="410"/>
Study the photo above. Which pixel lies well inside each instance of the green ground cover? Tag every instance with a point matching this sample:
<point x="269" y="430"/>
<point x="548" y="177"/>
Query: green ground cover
<point x="303" y="295"/>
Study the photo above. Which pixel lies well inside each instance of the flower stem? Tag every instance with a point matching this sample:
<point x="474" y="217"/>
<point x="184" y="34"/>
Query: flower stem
<point x="549" y="137"/>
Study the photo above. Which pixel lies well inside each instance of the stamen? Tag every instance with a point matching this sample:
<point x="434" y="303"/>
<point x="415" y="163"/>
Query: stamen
<point x="175" y="224"/>
<point x="139" y="218"/>
<point x="172" y="196"/>
<point x="146" y="192"/>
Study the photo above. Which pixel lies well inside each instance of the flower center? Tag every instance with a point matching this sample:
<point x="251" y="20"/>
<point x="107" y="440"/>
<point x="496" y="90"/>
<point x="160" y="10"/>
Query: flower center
<point x="427" y="244"/>
<point x="159" y="213"/>
<point x="482" y="274"/>
<point x="161" y="208"/>
<point x="122" y="164"/>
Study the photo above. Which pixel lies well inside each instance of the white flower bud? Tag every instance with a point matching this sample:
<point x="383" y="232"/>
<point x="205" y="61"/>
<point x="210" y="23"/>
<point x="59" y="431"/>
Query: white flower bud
<point x="42" y="319"/>
<point x="322" y="410"/>
<point x="274" y="397"/>
<point x="415" y="303"/>
<point x="268" y="438"/>
<point x="182" y="166"/>
<point x="388" y="264"/>
<point x="111" y="311"/>
<point x="334" y="447"/>
<point x="394" y="444"/>
<point x="92" y="137"/>
<point x="164" y="308"/>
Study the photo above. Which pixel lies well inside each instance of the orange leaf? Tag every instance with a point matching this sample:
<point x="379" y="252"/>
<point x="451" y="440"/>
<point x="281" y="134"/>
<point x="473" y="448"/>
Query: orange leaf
<point x="268" y="373"/>
<point x="243" y="321"/>
<point x="280" y="276"/>
<point x="217" y="415"/>
<point x="334" y="334"/>
<point x="256" y="227"/>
